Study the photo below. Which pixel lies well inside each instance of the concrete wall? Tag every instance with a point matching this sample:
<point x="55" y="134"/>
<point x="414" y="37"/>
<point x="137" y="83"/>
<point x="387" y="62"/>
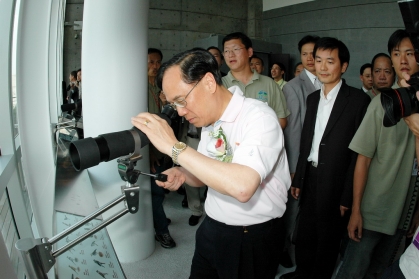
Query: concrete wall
<point x="72" y="38"/>
<point x="175" y="25"/>
<point x="363" y="25"/>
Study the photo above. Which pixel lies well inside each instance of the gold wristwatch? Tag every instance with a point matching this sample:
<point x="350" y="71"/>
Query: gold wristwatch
<point x="176" y="150"/>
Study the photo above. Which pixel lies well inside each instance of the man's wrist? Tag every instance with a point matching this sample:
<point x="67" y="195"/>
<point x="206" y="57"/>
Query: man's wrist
<point x="356" y="209"/>
<point x="177" y="148"/>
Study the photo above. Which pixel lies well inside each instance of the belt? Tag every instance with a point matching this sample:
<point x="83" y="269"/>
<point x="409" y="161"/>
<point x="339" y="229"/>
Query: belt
<point x="261" y="226"/>
<point x="314" y="164"/>
<point x="193" y="136"/>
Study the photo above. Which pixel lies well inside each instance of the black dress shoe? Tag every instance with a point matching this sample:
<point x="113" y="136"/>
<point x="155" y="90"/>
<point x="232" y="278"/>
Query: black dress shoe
<point x="194" y="220"/>
<point x="291" y="275"/>
<point x="166" y="241"/>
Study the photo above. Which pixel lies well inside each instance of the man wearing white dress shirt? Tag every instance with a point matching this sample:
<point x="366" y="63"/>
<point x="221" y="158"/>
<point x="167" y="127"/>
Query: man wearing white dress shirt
<point x="323" y="179"/>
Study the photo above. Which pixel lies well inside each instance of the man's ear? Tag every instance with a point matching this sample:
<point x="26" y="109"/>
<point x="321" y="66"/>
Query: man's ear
<point x="209" y="82"/>
<point x="344" y="67"/>
<point x="250" y="51"/>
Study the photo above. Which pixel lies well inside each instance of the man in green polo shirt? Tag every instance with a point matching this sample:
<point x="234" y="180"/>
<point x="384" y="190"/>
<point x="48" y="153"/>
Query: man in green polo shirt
<point x="383" y="196"/>
<point x="237" y="50"/>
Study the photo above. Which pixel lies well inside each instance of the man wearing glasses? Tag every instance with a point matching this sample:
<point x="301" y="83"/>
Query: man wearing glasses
<point x="237" y="50"/>
<point x="240" y="157"/>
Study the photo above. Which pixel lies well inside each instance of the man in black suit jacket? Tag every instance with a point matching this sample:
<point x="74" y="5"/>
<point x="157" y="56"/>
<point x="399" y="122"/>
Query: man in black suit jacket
<point x="324" y="173"/>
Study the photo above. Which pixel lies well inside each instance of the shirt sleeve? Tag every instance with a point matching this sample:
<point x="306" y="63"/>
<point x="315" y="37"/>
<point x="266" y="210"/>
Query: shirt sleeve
<point x="366" y="138"/>
<point x="261" y="143"/>
<point x="278" y="101"/>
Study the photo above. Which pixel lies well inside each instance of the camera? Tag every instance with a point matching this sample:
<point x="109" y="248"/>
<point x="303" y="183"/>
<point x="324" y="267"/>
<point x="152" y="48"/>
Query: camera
<point x="402" y="102"/>
<point x="90" y="152"/>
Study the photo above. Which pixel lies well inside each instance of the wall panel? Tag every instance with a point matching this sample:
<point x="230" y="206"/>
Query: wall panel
<point x="364" y="26"/>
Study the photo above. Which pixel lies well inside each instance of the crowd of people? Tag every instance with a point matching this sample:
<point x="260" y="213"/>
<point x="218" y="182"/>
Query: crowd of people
<point x="304" y="164"/>
<point x="74" y="87"/>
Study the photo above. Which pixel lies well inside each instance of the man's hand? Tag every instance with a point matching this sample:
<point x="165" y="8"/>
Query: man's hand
<point x="343" y="209"/>
<point x="413" y="122"/>
<point x="355" y="226"/>
<point x="157" y="130"/>
<point x="175" y="179"/>
<point x="295" y="192"/>
<point x="406" y="77"/>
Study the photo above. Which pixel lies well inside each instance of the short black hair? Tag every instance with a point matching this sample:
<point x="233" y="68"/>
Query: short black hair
<point x="216" y="48"/>
<point x="257" y="57"/>
<point x="241" y="36"/>
<point x="282" y="66"/>
<point x="381" y="54"/>
<point x="307" y="39"/>
<point x="74" y="74"/>
<point x="328" y="43"/>
<point x="296" y="65"/>
<point x="155" y="50"/>
<point x="363" y="67"/>
<point x="396" y="38"/>
<point x="194" y="64"/>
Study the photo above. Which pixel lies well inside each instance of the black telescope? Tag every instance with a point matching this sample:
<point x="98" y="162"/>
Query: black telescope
<point x="90" y="152"/>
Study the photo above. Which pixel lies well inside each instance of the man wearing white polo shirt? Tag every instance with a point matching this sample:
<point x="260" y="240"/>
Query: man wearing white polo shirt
<point x="241" y="157"/>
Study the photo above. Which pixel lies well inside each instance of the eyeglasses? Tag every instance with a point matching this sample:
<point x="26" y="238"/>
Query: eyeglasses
<point x="235" y="51"/>
<point x="181" y="102"/>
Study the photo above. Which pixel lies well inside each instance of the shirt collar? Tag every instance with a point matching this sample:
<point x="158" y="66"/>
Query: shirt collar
<point x="310" y="76"/>
<point x="254" y="77"/>
<point x="234" y="106"/>
<point x="332" y="94"/>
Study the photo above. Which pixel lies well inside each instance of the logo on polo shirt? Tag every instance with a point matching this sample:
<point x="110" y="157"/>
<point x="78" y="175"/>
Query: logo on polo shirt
<point x="262" y="96"/>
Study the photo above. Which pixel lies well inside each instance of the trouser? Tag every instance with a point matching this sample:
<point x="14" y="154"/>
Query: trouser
<point x="393" y="272"/>
<point x="233" y="252"/>
<point x="290" y="217"/>
<point x="157" y="198"/>
<point x="371" y="256"/>
<point x="194" y="199"/>
<point x="193" y="193"/>
<point x="318" y="238"/>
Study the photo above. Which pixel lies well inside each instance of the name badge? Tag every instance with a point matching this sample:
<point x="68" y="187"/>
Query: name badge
<point x="262" y="96"/>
